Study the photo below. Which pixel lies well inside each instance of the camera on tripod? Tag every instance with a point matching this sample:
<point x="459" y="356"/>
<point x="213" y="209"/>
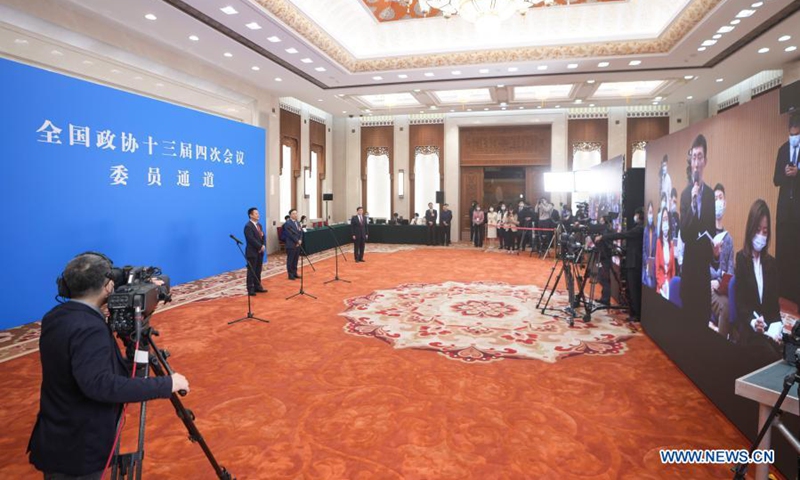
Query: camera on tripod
<point x="570" y="246"/>
<point x="790" y="343"/>
<point x="135" y="288"/>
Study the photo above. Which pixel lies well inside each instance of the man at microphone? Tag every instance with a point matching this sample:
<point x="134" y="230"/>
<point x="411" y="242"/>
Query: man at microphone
<point x="254" y="253"/>
<point x="697" y="230"/>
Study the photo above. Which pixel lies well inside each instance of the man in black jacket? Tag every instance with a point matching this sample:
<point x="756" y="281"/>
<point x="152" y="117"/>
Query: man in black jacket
<point x="430" y="220"/>
<point x="84" y="378"/>
<point x="787" y="218"/>
<point x="633" y="261"/>
<point x="444" y="224"/>
<point x="293" y="233"/>
<point x="254" y="253"/>
<point x="358" y="225"/>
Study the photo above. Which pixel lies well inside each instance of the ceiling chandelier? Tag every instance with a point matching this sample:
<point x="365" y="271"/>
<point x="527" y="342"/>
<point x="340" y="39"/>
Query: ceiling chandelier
<point x="483" y="13"/>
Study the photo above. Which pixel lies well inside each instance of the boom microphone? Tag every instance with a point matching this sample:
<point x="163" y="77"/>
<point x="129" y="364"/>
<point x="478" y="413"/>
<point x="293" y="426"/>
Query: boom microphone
<point x="238" y="242"/>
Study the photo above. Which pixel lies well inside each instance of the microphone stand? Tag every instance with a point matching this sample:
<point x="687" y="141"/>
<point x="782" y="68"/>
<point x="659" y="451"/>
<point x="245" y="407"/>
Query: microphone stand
<point x="337" y="250"/>
<point x="302" y="277"/>
<point x="250" y="269"/>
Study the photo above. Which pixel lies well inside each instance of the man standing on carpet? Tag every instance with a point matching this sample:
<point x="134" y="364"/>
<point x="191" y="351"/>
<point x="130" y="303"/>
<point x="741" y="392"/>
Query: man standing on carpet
<point x="444" y="224"/>
<point x="633" y="261"/>
<point x="294" y="242"/>
<point x="358" y="224"/>
<point x="430" y="221"/>
<point x="84" y="378"/>
<point x="254" y="253"/>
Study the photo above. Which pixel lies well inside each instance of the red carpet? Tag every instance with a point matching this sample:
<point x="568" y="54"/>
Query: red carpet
<point x="300" y="398"/>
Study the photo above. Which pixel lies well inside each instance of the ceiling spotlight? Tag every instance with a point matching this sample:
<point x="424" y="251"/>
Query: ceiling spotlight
<point x="689" y="97"/>
<point x="402" y="75"/>
<point x="433" y="107"/>
<point x="572" y="66"/>
<point x="417" y="90"/>
<point x="503" y="108"/>
<point x="790" y="49"/>
<point x="708" y="43"/>
<point x="377" y="77"/>
<point x="500" y="86"/>
<point x="273" y="39"/>
<point x="688" y="77"/>
<point x="725" y="29"/>
<point x="306" y="60"/>
<point x="716" y="36"/>
<point x="253" y="26"/>
<point x="278" y="79"/>
<point x="541" y="68"/>
<point x="20" y="41"/>
<point x="344" y="111"/>
<point x="590" y="81"/>
<point x="757" y="4"/>
<point x="655" y="103"/>
<point x="579" y="101"/>
<point x="291" y="50"/>
<point x="763" y="50"/>
<point x="522" y="108"/>
<point x="512" y="69"/>
<point x="428" y="74"/>
<point x="483" y="70"/>
<point x="745" y="13"/>
<point x="87" y="62"/>
<point x="591" y="104"/>
<point x="701" y="49"/>
<point x="558" y="106"/>
<point x="150" y="16"/>
<point x="503" y="104"/>
<point x="634" y="63"/>
<point x="469" y="109"/>
<point x="735" y="21"/>
<point x="603" y="64"/>
<point x="784" y="38"/>
<point x="658" y="99"/>
<point x="194" y="38"/>
<point x="456" y="72"/>
<point x="229" y="10"/>
<point x="320" y="69"/>
<point x="319" y="99"/>
<point x="228" y="54"/>
<point x="452" y="110"/>
<point x="720" y="80"/>
<point x="485" y="109"/>
<point x="255" y="68"/>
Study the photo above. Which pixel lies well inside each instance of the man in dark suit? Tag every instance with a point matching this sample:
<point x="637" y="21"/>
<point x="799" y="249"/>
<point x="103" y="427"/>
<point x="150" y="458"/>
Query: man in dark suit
<point x="254" y="253"/>
<point x="697" y="228"/>
<point x="294" y="242"/>
<point x="84" y="378"/>
<point x="633" y="261"/>
<point x="430" y="221"/>
<point x="358" y="224"/>
<point x="444" y="224"/>
<point x="787" y="218"/>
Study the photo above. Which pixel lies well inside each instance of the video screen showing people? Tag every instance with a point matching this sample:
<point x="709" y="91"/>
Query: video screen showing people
<point x="723" y="223"/>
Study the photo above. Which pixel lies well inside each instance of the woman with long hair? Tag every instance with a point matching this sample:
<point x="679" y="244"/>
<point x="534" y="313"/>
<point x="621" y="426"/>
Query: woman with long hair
<point x="665" y="255"/>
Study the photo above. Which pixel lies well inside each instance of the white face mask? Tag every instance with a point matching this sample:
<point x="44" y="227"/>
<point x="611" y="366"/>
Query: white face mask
<point x="719" y="208"/>
<point x="491" y="209"/>
<point x="663" y="205"/>
<point x="665" y="228"/>
<point x="649" y="218"/>
<point x="759" y="242"/>
<point x="794" y="140"/>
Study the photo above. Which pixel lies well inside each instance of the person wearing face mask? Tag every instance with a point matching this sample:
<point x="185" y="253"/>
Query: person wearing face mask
<point x="697" y="226"/>
<point x="478" y="220"/>
<point x="491" y="225"/>
<point x="757" y="283"/>
<point x="787" y="218"/>
<point x="675" y="227"/>
<point x="501" y="225"/>
<point x="649" y="252"/>
<point x="633" y="261"/>
<point x="85" y="378"/>
<point x="664" y="179"/>
<point x="721" y="266"/>
<point x="665" y="256"/>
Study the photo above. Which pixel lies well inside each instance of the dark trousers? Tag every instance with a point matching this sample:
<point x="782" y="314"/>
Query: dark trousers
<point x="501" y="237"/>
<point x="358" y="248"/>
<point x="635" y="291"/>
<point x="432" y="234"/>
<point x="787" y="238"/>
<point x="61" y="476"/>
<point x="254" y="273"/>
<point x="445" y="234"/>
<point x="479" y="229"/>
<point x="471" y="231"/>
<point x="292" y="256"/>
<point x="604" y="278"/>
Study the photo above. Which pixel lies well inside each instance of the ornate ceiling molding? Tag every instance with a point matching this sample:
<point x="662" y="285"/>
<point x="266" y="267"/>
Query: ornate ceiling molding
<point x="293" y="17"/>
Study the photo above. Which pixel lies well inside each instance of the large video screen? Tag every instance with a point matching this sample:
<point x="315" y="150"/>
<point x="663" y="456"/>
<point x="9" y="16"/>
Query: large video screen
<point x="88" y="167"/>
<point x="722" y="227"/>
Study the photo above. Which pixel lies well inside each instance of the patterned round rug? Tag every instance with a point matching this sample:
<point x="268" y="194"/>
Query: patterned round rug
<point x="482" y="322"/>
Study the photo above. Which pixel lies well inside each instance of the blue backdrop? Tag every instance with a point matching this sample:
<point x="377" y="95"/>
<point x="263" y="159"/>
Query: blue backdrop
<point x="89" y="167"/>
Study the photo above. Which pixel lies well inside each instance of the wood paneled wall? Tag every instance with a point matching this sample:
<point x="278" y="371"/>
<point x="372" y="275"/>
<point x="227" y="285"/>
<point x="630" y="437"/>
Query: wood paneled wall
<point x="317" y="136"/>
<point x="471" y="189"/>
<point x="377" y="137"/>
<point x="290" y="136"/>
<point x="424" y="135"/>
<point x="588" y="130"/>
<point x="743" y="144"/>
<point x="505" y="146"/>
<point x="644" y="130"/>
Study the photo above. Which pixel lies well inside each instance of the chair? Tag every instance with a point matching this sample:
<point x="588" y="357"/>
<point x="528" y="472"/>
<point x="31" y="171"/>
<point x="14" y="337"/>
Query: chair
<point x="675" y="291"/>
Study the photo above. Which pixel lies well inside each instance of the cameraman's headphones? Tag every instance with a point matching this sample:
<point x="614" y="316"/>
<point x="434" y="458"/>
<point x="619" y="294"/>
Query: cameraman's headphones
<point x="63" y="288"/>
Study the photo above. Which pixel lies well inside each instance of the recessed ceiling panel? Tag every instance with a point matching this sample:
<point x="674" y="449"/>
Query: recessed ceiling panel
<point x="389" y="100"/>
<point x="628" y="89"/>
<point x="542" y="93"/>
<point x="472" y="95"/>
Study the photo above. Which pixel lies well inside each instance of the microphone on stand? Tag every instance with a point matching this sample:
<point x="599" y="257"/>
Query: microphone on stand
<point x="238" y="242"/>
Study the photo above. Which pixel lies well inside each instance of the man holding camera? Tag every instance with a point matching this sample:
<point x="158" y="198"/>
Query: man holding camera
<point x="634" y="239"/>
<point x="84" y="378"/>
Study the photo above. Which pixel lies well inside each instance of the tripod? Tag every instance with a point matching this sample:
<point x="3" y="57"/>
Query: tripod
<point x="250" y="315"/>
<point x="569" y="271"/>
<point x="149" y="356"/>
<point x="337" y="251"/>
<point x="774" y="417"/>
<point x="302" y="277"/>
<point x="554" y="241"/>
<point x="591" y="273"/>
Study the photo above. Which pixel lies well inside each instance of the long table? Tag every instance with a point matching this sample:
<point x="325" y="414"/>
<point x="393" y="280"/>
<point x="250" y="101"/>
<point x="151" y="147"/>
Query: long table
<point x="319" y="239"/>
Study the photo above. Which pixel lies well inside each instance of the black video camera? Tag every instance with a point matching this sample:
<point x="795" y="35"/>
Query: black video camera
<point x="135" y="288"/>
<point x="790" y="343"/>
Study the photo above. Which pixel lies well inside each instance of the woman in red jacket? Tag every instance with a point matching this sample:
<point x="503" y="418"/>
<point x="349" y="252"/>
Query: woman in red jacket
<point x="665" y="256"/>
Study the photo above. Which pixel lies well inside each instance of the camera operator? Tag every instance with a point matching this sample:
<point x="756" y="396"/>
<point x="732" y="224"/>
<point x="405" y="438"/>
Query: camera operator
<point x="604" y="256"/>
<point x="633" y="261"/>
<point x="84" y="378"/>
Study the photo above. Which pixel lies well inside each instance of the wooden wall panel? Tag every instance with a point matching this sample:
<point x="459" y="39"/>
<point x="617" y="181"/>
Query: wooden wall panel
<point x="377" y="137"/>
<point x="505" y="146"/>
<point x="424" y="135"/>
<point x="644" y="130"/>
<point x="290" y="136"/>
<point x="316" y="134"/>
<point x="471" y="189"/>
<point x="589" y="130"/>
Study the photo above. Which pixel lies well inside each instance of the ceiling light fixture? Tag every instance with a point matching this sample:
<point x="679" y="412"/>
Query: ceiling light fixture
<point x="658" y="99"/>
<point x="291" y="50"/>
<point x="428" y="74"/>
<point x="757" y="4"/>
<point x="486" y="15"/>
<point x="229" y="10"/>
<point x="500" y="86"/>
<point x="784" y="38"/>
<point x="194" y="38"/>
<point x="402" y="76"/>
<point x="306" y="60"/>
<point x="716" y="36"/>
<point x="635" y="63"/>
<point x="377" y="78"/>
<point x="255" y="68"/>
<point x="603" y="64"/>
<point x="689" y="97"/>
<point x="725" y="29"/>
<point x="590" y="81"/>
<point x="253" y="26"/>
<point x="483" y="70"/>
<point x="278" y="79"/>
<point x="688" y="77"/>
<point x="541" y="68"/>
<point x="745" y="13"/>
<point x="320" y="69"/>
<point x="701" y="49"/>
<point x="228" y="54"/>
<point x="150" y="16"/>
<point x="273" y="39"/>
<point x="790" y="49"/>
<point x="720" y="80"/>
<point x="512" y="69"/>
<point x="572" y="66"/>
<point x="763" y="50"/>
<point x="456" y="72"/>
<point x="708" y="43"/>
<point x="591" y="104"/>
<point x="735" y="21"/>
